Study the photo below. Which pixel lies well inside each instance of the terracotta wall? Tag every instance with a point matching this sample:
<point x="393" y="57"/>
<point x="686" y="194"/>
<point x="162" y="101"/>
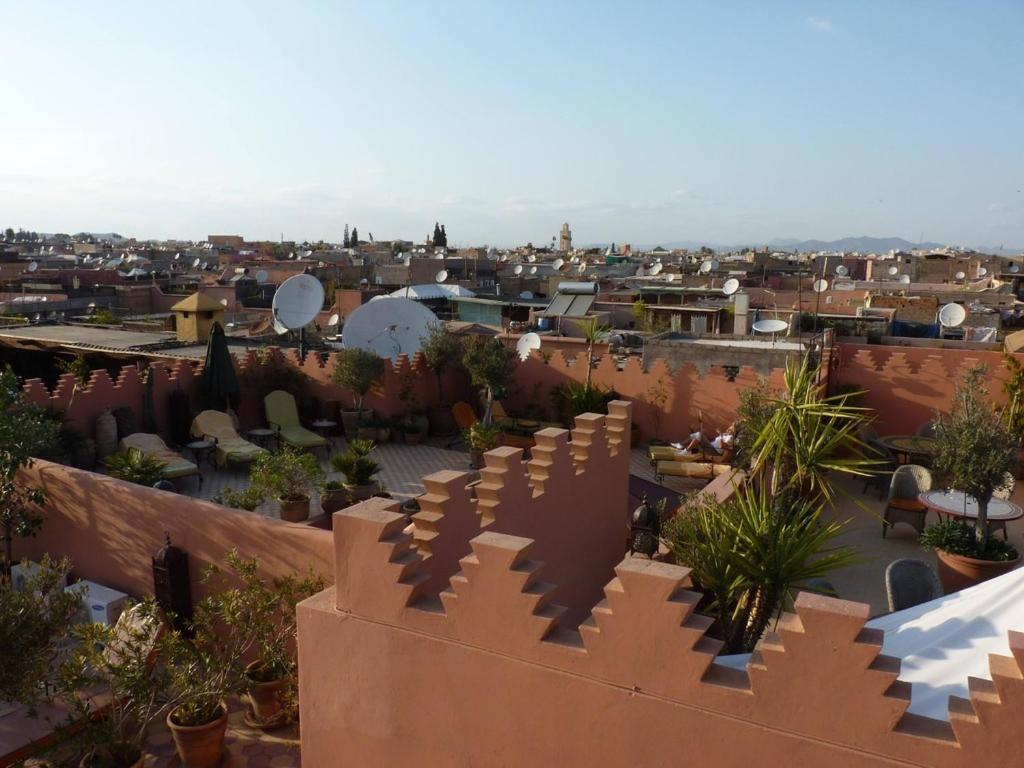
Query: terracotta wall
<point x="110" y="530"/>
<point x="906" y="385"/>
<point x="490" y="673"/>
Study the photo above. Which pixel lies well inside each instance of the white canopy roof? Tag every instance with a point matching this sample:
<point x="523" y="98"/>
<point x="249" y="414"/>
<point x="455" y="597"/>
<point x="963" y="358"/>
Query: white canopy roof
<point x="432" y="291"/>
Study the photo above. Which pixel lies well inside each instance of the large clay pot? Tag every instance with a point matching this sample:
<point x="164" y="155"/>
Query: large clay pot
<point x="334" y="499"/>
<point x="266" y="697"/>
<point x="361" y="492"/>
<point x="294" y="510"/>
<point x="199" y="746"/>
<point x="957" y="572"/>
<point x="350" y="421"/>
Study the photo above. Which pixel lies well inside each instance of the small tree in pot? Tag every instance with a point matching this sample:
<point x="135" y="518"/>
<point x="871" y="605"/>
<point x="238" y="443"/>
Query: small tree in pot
<point x="975" y="449"/>
<point x="358" y="370"/>
<point x="290" y="476"/>
<point x="358" y="468"/>
<point x="441" y="351"/>
<point x="491" y="366"/>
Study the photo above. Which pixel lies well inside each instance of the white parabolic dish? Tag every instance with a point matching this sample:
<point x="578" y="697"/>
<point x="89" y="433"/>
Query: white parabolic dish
<point x="951" y="315"/>
<point x="297" y="301"/>
<point x="389" y="328"/>
<point x="820" y="286"/>
<point x="527" y="343"/>
<point x="770" y="326"/>
<point x="731" y="286"/>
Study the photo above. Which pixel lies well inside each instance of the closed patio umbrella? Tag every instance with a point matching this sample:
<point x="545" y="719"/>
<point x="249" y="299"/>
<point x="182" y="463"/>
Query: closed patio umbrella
<point x="220" y="382"/>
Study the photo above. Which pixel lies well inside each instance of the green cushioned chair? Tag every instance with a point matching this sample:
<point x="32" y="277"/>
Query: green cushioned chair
<point x="283" y="418"/>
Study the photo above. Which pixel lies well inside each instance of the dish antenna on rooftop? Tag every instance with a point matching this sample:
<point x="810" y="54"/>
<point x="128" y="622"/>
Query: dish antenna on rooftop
<point x="772" y="326"/>
<point x="526" y="295"/>
<point x="517" y="269"/>
<point x="262" y="276"/>
<point x="656" y="269"/>
<point x="1015" y="268"/>
<point x="730" y="287"/>
<point x="558" y="263"/>
<point x="389" y="328"/>
<point x="960" y="275"/>
<point x="951" y="315"/>
<point x="893" y="271"/>
<point x="820" y="286"/>
<point x="296" y="303"/>
<point x="333" y="320"/>
<point x="32" y="266"/>
<point x="177" y="257"/>
<point x="533" y="270"/>
<point x="223" y="302"/>
<point x="195" y="262"/>
<point x="982" y="271"/>
<point x="671" y="277"/>
<point x="842" y="270"/>
<point x="905" y="279"/>
<point x="441" y="276"/>
<point x="526" y="344"/>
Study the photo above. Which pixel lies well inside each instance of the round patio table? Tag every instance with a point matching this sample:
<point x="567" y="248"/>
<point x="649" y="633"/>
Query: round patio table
<point x="907" y="446"/>
<point x="959" y="504"/>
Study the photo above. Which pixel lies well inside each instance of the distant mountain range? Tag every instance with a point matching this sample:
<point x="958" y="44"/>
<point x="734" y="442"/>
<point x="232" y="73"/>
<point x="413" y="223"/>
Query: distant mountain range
<point x="862" y="244"/>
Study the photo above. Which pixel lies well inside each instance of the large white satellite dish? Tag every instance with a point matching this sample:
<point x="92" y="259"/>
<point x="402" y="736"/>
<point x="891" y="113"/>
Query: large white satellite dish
<point x="960" y="275"/>
<point x="820" y="286"/>
<point x="526" y="344"/>
<point x="262" y="276"/>
<point x="1015" y="268"/>
<point x="982" y="271"/>
<point x="842" y="271"/>
<point x="558" y="263"/>
<point x="517" y="269"/>
<point x="730" y="287"/>
<point x="389" y="328"/>
<point x="893" y="271"/>
<point x="581" y="268"/>
<point x="32" y="266"/>
<point x="770" y="326"/>
<point x="177" y="257"/>
<point x="441" y="276"/>
<point x="333" y="320"/>
<point x="952" y="315"/>
<point x="656" y="269"/>
<point x="533" y="270"/>
<point x="280" y="327"/>
<point x="195" y="263"/>
<point x="297" y="301"/>
<point x="705" y="267"/>
<point x="905" y="279"/>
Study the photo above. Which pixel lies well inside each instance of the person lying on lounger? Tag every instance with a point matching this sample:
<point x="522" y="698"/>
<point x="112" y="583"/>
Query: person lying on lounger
<point x="721" y="443"/>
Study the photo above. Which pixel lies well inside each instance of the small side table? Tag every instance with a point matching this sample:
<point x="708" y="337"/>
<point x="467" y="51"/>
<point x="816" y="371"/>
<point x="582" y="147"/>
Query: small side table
<point x="262" y="437"/>
<point x="202" y="449"/>
<point x="324" y="428"/>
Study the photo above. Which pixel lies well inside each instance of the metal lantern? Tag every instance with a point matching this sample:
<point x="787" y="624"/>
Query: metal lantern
<point x="731" y="372"/>
<point x="171" y="584"/>
<point x="645" y="529"/>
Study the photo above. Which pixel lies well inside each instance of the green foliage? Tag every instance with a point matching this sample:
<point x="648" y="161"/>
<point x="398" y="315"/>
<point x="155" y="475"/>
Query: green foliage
<point x="356" y="464"/>
<point x="137" y="467"/>
<point x="646" y="321"/>
<point x="748" y="554"/>
<point x="35" y="623"/>
<point x="358" y="369"/>
<point x="574" y="398"/>
<point x="974" y="446"/>
<point x="958" y="538"/>
<point x="440" y="350"/>
<point x="103" y="316"/>
<point x="78" y="366"/>
<point x="268" y="372"/>
<point x="289" y="474"/>
<point x="247" y="498"/>
<point x="491" y="366"/>
<point x="757" y="405"/>
<point x="482" y="437"/>
<point x="1013" y="388"/>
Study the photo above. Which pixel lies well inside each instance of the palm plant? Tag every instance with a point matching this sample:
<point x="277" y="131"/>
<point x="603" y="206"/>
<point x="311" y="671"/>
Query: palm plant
<point x="356" y="464"/>
<point x="747" y="554"/>
<point x="137" y="467"/>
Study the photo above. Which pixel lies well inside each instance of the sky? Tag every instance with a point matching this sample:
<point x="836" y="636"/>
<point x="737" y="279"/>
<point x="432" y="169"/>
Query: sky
<point x="641" y="122"/>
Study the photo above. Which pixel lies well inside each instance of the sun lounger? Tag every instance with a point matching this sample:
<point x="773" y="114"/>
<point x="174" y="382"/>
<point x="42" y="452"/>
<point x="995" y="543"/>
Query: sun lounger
<point x="175" y="465"/>
<point x="217" y="427"/>
<point x="283" y="418"/>
<point x="700" y="470"/>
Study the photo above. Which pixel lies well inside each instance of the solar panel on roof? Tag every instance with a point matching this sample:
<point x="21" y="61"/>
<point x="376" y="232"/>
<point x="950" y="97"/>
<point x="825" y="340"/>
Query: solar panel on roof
<point x="559" y="304"/>
<point x="580" y="306"/>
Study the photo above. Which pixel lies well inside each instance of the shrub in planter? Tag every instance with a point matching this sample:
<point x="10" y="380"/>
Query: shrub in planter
<point x="963" y="561"/>
<point x="135" y="467"/>
<point x="290" y="476"/>
<point x="491" y="366"/>
<point x="413" y="435"/>
<point x="333" y="496"/>
<point x="358" y="370"/>
<point x="358" y="469"/>
<point x="247" y="499"/>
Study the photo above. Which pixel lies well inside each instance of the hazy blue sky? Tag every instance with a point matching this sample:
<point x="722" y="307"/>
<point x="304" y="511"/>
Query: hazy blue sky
<point x="642" y="122"/>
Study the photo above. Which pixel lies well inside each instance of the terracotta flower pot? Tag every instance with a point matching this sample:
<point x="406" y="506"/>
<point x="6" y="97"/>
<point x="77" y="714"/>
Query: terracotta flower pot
<point x="350" y="421"/>
<point x="957" y="572"/>
<point x="413" y="438"/>
<point x="200" y="746"/>
<point x="294" y="510"/>
<point x="87" y="760"/>
<point x="361" y="492"/>
<point x="266" y="697"/>
<point x="334" y="499"/>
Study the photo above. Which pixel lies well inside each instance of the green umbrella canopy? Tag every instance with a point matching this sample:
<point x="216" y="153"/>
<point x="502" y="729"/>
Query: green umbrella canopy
<point x="220" y="382"/>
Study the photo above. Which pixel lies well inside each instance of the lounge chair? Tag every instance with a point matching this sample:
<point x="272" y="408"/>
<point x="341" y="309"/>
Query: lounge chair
<point x="910" y="582"/>
<point x="231" y="448"/>
<point x="283" y="417"/>
<point x="700" y="470"/>
<point x="175" y="467"/>
<point x="908" y="482"/>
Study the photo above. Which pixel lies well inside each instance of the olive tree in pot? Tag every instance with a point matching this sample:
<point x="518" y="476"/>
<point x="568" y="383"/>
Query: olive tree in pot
<point x="290" y="476"/>
<point x="441" y="351"/>
<point x="261" y="614"/>
<point x="358" y="469"/>
<point x="480" y="438"/>
<point x="491" y="366"/>
<point x="975" y="449"/>
<point x="358" y="370"/>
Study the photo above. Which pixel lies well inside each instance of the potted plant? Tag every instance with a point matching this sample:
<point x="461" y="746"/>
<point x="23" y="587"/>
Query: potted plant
<point x="480" y="438"/>
<point x="440" y="351"/>
<point x="136" y="467"/>
<point x="247" y="498"/>
<point x="260" y="614"/>
<point x="383" y="430"/>
<point x="413" y="434"/>
<point x="127" y="690"/>
<point x="367" y="427"/>
<point x="289" y="475"/>
<point x="491" y="366"/>
<point x="358" y="370"/>
<point x="975" y="449"/>
<point x="333" y="496"/>
<point x="358" y="469"/>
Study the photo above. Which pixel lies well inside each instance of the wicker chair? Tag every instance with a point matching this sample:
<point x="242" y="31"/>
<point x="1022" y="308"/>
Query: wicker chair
<point x="910" y="582"/>
<point x="926" y="430"/>
<point x="908" y="481"/>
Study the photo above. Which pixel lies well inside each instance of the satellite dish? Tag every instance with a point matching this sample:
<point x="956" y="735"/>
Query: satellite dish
<point x="32" y="266"/>
<point x="959" y="275"/>
<point x="842" y="270"/>
<point x="526" y="344"/>
<point x="893" y="271"/>
<point x="531" y="258"/>
<point x="195" y="263"/>
<point x="1015" y="268"/>
<point x="517" y="269"/>
<point x="279" y="327"/>
<point x="581" y="268"/>
<point x="731" y="286"/>
<point x="526" y="295"/>
<point x="905" y="279"/>
<point x="334" y="320"/>
<point x="705" y="267"/>
<point x="820" y="286"/>
<point x="223" y="302"/>
<point x="982" y="271"/>
<point x="262" y="276"/>
<point x="441" y="276"/>
<point x="389" y="328"/>
<point x="952" y="315"/>
<point x="656" y="269"/>
<point x="298" y="300"/>
<point x="671" y="277"/>
<point x="770" y="326"/>
<point x="533" y="270"/>
<point x="177" y="257"/>
<point x="558" y="263"/>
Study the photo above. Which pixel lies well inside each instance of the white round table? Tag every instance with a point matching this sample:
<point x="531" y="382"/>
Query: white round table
<point x="959" y="504"/>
